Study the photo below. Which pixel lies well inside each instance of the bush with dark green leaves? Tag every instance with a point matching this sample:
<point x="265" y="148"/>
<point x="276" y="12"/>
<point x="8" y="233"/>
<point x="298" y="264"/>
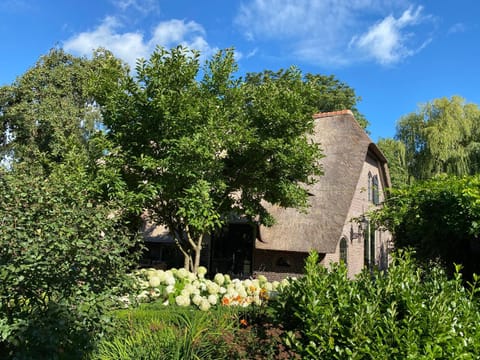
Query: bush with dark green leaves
<point x="438" y="218"/>
<point x="63" y="254"/>
<point x="408" y="313"/>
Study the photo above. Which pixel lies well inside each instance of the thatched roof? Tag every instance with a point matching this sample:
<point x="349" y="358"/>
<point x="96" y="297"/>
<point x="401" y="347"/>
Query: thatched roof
<point x="345" y="146"/>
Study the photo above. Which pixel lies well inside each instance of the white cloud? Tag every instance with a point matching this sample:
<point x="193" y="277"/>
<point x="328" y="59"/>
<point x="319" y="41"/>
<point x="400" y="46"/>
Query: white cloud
<point x="387" y="41"/>
<point x="321" y="31"/>
<point x="143" y="6"/>
<point x="457" y="28"/>
<point x="130" y="46"/>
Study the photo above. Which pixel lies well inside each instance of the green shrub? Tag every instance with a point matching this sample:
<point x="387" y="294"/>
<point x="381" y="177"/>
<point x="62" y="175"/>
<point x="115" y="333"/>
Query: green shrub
<point x="409" y="313"/>
<point x="63" y="254"/>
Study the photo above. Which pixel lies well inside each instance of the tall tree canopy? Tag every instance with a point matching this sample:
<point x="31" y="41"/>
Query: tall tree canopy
<point x="50" y="109"/>
<point x="65" y="235"/>
<point x="443" y="136"/>
<point x="205" y="144"/>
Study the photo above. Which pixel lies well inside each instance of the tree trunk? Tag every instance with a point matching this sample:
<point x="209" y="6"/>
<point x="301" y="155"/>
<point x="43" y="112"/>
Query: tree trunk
<point x="198" y="251"/>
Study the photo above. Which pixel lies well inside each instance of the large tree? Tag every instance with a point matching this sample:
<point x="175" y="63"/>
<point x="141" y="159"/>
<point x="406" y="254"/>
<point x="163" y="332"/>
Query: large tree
<point x="64" y="238"/>
<point x="50" y="108"/>
<point x="442" y="136"/>
<point x="203" y="144"/>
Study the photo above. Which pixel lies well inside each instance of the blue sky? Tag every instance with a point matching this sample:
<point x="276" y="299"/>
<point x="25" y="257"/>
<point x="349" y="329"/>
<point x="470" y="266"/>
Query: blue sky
<point x="396" y="54"/>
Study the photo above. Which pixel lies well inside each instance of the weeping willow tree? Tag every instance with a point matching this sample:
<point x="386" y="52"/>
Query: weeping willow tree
<point x="395" y="152"/>
<point x="442" y="136"/>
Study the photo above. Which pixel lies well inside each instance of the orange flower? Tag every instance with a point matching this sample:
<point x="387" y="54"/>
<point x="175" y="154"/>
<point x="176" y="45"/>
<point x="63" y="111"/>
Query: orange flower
<point x="225" y="301"/>
<point x="243" y="322"/>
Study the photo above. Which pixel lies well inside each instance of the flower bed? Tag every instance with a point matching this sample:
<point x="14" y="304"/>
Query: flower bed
<point x="183" y="288"/>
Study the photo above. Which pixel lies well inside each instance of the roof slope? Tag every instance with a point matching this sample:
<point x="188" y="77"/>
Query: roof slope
<point x="345" y="146"/>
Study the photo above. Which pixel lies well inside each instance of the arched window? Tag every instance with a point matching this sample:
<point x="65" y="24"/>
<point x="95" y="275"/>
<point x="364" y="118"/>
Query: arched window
<point x="343" y="250"/>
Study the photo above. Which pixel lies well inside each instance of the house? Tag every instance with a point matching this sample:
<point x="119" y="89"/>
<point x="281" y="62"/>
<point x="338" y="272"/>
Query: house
<point x="355" y="176"/>
<point x="354" y="180"/>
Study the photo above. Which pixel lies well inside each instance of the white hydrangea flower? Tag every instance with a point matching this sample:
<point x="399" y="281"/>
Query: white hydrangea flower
<point x="268" y="286"/>
<point x="154" y="281"/>
<point x="201" y="271"/>
<point x="161" y="275"/>
<point x="169" y="289"/>
<point x="262" y="279"/>
<point x="242" y="293"/>
<point x="182" y="273"/>
<point x="182" y="300"/>
<point x="151" y="273"/>
<point x="247" y="283"/>
<point x="190" y="288"/>
<point x="213" y="288"/>
<point x="219" y="279"/>
<point x="204" y="305"/>
<point x="212" y="299"/>
<point x="197" y="299"/>
<point x="169" y="280"/>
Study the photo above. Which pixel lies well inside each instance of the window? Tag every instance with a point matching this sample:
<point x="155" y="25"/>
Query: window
<point x="343" y="250"/>
<point x="369" y="191"/>
<point x="375" y="192"/>
<point x="369" y="246"/>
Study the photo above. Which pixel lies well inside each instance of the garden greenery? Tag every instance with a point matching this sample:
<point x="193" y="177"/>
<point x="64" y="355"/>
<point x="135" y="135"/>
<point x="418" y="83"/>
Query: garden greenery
<point x="439" y="218"/>
<point x="183" y="288"/>
<point x="63" y="254"/>
<point x="407" y="313"/>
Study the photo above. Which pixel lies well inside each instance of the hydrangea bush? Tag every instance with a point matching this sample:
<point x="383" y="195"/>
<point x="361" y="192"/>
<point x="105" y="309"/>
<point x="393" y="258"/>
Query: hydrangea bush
<point x="183" y="288"/>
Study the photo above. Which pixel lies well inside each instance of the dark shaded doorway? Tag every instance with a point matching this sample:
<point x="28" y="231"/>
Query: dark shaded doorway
<point x="232" y="249"/>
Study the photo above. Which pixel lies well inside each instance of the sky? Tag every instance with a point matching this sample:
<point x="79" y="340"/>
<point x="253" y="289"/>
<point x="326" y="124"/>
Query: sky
<point x="396" y="54"/>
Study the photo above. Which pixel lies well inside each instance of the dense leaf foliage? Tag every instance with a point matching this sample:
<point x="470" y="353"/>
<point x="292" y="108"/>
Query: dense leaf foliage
<point x="50" y="109"/>
<point x="62" y="254"/>
<point x="442" y="136"/>
<point x="394" y="151"/>
<point x="439" y="218"/>
<point x="206" y="145"/>
<point x="64" y="240"/>
<point x="408" y="313"/>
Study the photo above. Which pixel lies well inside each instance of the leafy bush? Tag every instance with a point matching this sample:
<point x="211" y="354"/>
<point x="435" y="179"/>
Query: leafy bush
<point x="439" y="218"/>
<point x="62" y="255"/>
<point x="409" y="313"/>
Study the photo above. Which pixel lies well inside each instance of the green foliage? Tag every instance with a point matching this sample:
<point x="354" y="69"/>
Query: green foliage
<point x="439" y="218"/>
<point x="64" y="252"/>
<point x="443" y="136"/>
<point x="50" y="109"/>
<point x="157" y="332"/>
<point x="203" y="145"/>
<point x="395" y="153"/>
<point x="409" y="313"/>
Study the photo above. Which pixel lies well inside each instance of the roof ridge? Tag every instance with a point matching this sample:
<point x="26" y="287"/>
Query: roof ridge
<point x="333" y="113"/>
